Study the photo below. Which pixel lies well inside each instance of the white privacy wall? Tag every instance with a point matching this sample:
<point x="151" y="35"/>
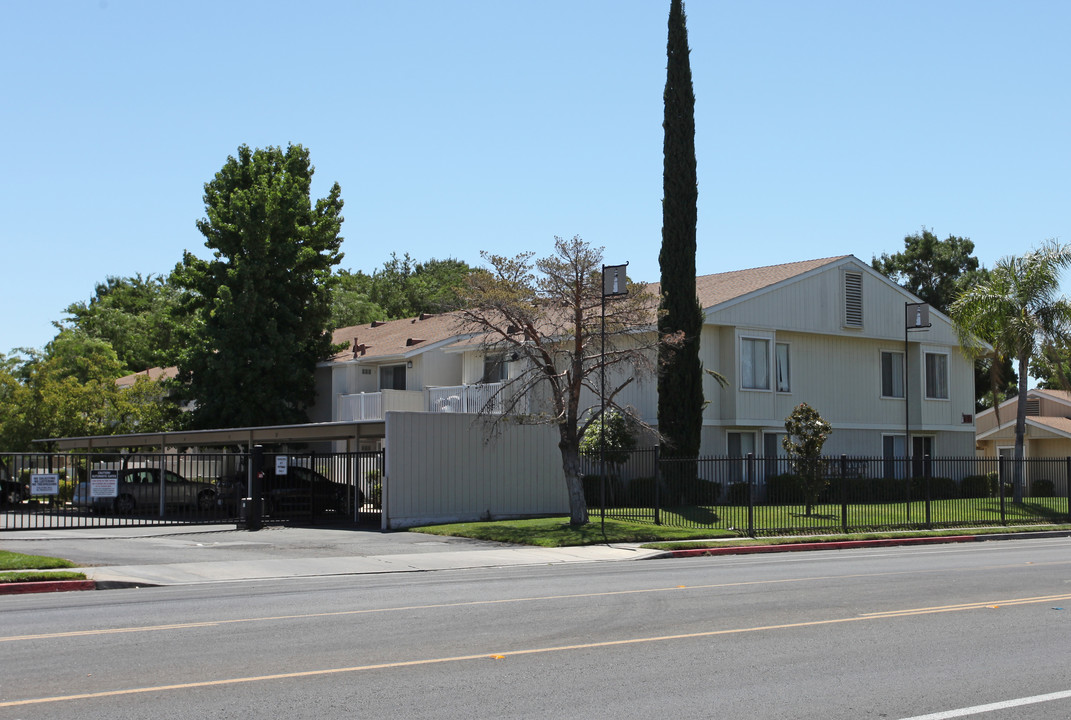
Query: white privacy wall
<point x="444" y="467"/>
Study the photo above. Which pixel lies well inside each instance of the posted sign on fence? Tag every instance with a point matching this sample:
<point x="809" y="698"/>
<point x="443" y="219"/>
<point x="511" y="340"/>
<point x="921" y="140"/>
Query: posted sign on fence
<point x="103" y="483"/>
<point x="44" y="484"/>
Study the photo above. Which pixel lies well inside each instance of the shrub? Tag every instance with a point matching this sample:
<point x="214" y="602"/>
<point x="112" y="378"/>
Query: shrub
<point x="978" y="486"/>
<point x="1043" y="488"/>
<point x="374" y="495"/>
<point x="941" y="488"/>
<point x="640" y="492"/>
<point x="615" y="491"/>
<point x="785" y="489"/>
<point x="737" y="494"/>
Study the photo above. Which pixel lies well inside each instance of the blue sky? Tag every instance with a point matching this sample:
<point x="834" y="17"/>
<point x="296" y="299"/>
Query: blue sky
<point x="822" y="128"/>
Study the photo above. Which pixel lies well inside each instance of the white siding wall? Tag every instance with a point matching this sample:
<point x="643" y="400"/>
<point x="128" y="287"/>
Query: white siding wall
<point x="441" y="468"/>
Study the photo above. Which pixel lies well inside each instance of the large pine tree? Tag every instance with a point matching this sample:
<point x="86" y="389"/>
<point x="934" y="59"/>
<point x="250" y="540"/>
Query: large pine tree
<point x="263" y="297"/>
<point x="680" y="378"/>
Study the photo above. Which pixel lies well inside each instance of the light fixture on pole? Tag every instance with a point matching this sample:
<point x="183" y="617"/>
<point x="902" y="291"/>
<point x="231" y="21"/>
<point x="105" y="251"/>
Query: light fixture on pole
<point x="614" y="284"/>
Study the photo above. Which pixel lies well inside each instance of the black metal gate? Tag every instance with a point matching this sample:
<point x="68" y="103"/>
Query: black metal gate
<point x="78" y="490"/>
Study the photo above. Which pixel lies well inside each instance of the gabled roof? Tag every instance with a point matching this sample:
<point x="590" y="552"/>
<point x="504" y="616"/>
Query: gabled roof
<point x="719" y="288"/>
<point x="394" y="338"/>
<point x="1061" y="396"/>
<point x="1057" y="425"/>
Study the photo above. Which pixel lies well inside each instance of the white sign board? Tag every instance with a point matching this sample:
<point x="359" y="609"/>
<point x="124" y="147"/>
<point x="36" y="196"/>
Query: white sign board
<point x="44" y="484"/>
<point x="103" y="483"/>
<point x="280" y="464"/>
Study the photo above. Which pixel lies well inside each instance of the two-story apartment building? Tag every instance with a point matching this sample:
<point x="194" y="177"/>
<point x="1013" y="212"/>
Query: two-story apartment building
<point x="828" y="332"/>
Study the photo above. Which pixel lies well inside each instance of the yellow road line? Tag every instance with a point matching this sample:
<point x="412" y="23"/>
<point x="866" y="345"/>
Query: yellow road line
<point x="474" y="603"/>
<point x="506" y="654"/>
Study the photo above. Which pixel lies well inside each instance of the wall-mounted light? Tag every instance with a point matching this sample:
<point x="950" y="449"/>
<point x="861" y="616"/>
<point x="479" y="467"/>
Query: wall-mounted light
<point x="409" y="364"/>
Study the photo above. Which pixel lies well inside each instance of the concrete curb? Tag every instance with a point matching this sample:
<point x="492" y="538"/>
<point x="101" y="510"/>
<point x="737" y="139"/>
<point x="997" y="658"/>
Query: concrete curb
<point x="43" y="586"/>
<point x="852" y="544"/>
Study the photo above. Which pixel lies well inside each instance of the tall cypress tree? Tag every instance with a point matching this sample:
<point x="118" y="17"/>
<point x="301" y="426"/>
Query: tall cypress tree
<point x="680" y="379"/>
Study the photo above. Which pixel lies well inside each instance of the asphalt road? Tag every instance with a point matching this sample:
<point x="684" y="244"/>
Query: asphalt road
<point x="884" y="633"/>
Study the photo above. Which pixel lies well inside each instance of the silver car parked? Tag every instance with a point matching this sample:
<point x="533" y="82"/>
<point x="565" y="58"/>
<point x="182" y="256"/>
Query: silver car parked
<point x="139" y="490"/>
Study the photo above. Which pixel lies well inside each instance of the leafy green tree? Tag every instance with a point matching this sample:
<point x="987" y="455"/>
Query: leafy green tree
<point x="135" y="315"/>
<point x="934" y="270"/>
<point x="351" y="302"/>
<point x="69" y="390"/>
<point x="401" y="288"/>
<point x="805" y="434"/>
<point x="619" y="438"/>
<point x="680" y="376"/>
<point x="1018" y="312"/>
<point x="937" y="271"/>
<point x="545" y="315"/>
<point x="264" y="296"/>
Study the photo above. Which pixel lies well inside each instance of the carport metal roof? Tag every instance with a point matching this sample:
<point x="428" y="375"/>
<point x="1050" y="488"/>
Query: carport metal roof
<point x="249" y="436"/>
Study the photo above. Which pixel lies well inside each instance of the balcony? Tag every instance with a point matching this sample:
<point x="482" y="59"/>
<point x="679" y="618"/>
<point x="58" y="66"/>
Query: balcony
<point x="373" y="405"/>
<point x="450" y="398"/>
<point x="466" y="398"/>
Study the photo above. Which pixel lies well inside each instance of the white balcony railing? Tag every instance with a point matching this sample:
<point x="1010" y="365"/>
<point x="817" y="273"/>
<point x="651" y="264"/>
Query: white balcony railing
<point x="466" y="398"/>
<point x="360" y="406"/>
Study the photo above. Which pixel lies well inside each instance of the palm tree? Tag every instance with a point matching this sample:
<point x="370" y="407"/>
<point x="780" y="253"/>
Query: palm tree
<point x="1016" y="311"/>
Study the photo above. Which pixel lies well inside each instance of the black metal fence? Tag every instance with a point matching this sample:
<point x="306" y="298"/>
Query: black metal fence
<point x="776" y="496"/>
<point x="53" y="490"/>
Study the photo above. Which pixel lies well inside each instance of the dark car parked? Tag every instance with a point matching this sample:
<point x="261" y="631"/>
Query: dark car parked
<point x="300" y="491"/>
<point x="12" y="492"/>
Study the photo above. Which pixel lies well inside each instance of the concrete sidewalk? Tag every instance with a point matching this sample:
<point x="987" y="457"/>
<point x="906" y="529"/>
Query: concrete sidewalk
<point x="146" y="556"/>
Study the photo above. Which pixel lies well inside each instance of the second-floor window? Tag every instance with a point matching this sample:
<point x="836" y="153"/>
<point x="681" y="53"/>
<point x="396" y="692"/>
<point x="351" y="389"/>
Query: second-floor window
<point x="937" y="376"/>
<point x="754" y="364"/>
<point x="782" y="368"/>
<point x="892" y="374"/>
<point x="495" y="369"/>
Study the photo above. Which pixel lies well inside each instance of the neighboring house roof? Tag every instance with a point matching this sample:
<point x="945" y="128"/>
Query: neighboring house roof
<point x="155" y="373"/>
<point x="394" y="338"/>
<point x="1058" y="425"/>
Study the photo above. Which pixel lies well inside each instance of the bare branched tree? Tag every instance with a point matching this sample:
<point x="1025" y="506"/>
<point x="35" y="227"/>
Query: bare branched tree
<point x="544" y="317"/>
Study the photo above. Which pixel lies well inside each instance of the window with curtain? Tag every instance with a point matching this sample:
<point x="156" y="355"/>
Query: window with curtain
<point x="937" y="376"/>
<point x="755" y="364"/>
<point x="781" y="368"/>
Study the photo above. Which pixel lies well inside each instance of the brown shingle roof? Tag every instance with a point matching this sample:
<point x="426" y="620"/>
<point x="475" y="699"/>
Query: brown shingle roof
<point x="398" y="337"/>
<point x="156" y="373"/>
<point x="393" y="337"/>
<point x="722" y="287"/>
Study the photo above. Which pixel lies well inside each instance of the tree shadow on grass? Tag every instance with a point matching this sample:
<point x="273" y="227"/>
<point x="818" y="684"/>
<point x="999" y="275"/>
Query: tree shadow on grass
<point x="698" y="514"/>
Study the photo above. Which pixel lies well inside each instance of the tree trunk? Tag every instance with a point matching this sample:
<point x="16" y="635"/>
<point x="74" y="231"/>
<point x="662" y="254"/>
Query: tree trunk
<point x="1020" y="431"/>
<point x="578" y="506"/>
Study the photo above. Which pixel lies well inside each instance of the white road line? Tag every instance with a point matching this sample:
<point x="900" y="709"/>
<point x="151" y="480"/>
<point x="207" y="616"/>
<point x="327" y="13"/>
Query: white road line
<point x="978" y="709"/>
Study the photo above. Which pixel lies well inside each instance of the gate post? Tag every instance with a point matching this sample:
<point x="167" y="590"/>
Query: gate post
<point x="1000" y="488"/>
<point x="927" y="472"/>
<point x="750" y="469"/>
<point x="658" y="486"/>
<point x="844" y="493"/>
<point x="1067" y="480"/>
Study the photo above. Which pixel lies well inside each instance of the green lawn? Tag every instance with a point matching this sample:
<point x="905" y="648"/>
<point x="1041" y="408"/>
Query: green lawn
<point x="724" y="523"/>
<point x="557" y="532"/>
<point x="16" y="567"/>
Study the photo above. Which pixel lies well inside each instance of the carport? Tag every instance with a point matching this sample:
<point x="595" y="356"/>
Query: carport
<point x="317" y="474"/>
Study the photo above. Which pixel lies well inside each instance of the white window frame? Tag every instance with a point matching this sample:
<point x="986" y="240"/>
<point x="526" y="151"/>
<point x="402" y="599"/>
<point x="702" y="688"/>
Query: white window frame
<point x="926" y="375"/>
<point x="768" y="342"/>
<point x="782" y="380"/>
<point x="897" y="379"/>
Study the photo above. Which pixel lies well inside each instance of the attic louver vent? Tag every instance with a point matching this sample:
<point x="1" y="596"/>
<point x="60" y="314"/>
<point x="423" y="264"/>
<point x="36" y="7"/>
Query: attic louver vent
<point x="1033" y="407"/>
<point x="853" y="299"/>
